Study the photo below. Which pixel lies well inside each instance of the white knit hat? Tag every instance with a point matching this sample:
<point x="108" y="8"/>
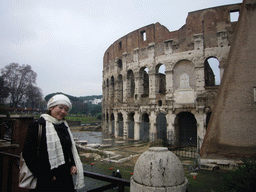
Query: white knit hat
<point x="59" y="99"/>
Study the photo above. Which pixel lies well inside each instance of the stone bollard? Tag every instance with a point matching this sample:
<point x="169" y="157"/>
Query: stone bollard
<point x="158" y="170"/>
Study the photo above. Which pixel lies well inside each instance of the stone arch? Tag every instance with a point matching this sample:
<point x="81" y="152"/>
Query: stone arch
<point x="211" y="71"/>
<point x="107" y="90"/>
<point x="131" y="125"/>
<point x="143" y="74"/>
<point x="119" y="88"/>
<point x="161" y="77"/>
<point x="130" y="83"/>
<point x="144" y="127"/>
<point x="112" y="88"/>
<point x="185" y="129"/>
<point x="181" y="67"/>
<point x="161" y="127"/>
<point x="120" y="125"/>
<point x="120" y="64"/>
<point x="105" y="118"/>
<point x="112" y="120"/>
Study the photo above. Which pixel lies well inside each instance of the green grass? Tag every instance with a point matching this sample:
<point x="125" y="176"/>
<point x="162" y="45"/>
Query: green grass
<point x="84" y="119"/>
<point x="205" y="181"/>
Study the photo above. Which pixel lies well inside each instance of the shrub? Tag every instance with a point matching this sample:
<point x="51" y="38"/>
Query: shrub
<point x="242" y="179"/>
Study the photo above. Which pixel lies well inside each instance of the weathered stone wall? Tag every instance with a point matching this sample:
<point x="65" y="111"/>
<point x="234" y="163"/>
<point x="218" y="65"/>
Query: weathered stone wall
<point x="134" y="86"/>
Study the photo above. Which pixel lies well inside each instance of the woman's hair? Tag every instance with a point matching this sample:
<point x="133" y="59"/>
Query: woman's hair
<point x="49" y="112"/>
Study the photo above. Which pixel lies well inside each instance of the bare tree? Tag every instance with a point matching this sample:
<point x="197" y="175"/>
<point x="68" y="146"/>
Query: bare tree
<point x="4" y="91"/>
<point x="17" y="78"/>
<point x="33" y="95"/>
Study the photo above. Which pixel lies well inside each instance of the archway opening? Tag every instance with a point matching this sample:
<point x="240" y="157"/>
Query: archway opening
<point x="160" y="69"/>
<point x="131" y="125"/>
<point x="120" y="125"/>
<point x="212" y="72"/>
<point x="120" y="64"/>
<point x="120" y="89"/>
<point x="144" y="127"/>
<point x="145" y="81"/>
<point x="112" y="89"/>
<point x="186" y="129"/>
<point x="112" y="120"/>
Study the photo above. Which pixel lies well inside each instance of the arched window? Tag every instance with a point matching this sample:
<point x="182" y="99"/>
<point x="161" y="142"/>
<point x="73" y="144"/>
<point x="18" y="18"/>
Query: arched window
<point x="211" y="72"/>
<point x="131" y="125"/>
<point x="144" y="127"/>
<point x="161" y="78"/>
<point x="120" y="125"/>
<point x="120" y="89"/>
<point x="120" y="64"/>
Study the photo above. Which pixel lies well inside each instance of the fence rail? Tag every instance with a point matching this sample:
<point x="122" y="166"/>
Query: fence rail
<point x="180" y="146"/>
<point x="14" y="160"/>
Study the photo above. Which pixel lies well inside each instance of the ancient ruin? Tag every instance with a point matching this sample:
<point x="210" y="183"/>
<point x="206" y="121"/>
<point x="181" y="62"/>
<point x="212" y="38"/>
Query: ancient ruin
<point x="159" y="84"/>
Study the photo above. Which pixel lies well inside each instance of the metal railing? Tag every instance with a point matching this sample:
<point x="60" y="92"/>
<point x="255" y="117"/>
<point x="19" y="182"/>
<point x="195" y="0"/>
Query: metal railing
<point x="114" y="182"/>
<point x="12" y="160"/>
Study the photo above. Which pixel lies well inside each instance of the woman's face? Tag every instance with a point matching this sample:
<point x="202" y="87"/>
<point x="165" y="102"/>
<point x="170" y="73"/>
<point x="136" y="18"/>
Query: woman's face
<point x="59" y="112"/>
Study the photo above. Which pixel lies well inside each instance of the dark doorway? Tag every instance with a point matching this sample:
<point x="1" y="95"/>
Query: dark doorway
<point x="161" y="127"/>
<point x="144" y="127"/>
<point x="186" y="129"/>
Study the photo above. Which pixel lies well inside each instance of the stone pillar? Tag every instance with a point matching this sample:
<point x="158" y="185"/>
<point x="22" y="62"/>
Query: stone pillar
<point x="125" y="88"/>
<point x="152" y="84"/>
<point x="152" y="128"/>
<point x="138" y="84"/>
<point x="116" y="124"/>
<point x="125" y="125"/>
<point x="200" y="123"/>
<point x="169" y="84"/>
<point x="136" y="125"/>
<point x="158" y="170"/>
<point x="170" y="117"/>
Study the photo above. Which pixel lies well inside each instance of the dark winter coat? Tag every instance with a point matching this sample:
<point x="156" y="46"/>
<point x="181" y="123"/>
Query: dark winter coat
<point x="40" y="166"/>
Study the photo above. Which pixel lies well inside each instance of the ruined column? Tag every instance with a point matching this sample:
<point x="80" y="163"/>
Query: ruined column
<point x="158" y="170"/>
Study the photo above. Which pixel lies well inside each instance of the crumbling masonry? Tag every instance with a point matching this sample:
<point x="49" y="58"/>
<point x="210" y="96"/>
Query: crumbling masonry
<point x="142" y="102"/>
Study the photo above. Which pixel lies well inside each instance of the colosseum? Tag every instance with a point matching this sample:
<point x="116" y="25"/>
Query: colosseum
<point x="159" y="84"/>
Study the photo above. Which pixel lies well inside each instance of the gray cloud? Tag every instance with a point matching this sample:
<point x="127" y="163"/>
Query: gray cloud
<point x="64" y="41"/>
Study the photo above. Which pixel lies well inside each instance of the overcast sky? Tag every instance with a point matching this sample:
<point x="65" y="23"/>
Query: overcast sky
<point x="64" y="40"/>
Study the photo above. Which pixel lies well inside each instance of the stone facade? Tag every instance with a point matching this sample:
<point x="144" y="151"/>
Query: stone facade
<point x="144" y="103"/>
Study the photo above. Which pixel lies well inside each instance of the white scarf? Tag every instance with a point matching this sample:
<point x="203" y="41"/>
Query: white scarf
<point x="55" y="152"/>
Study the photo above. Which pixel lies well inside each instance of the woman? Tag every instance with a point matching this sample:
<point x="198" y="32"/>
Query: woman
<point x="58" y="158"/>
